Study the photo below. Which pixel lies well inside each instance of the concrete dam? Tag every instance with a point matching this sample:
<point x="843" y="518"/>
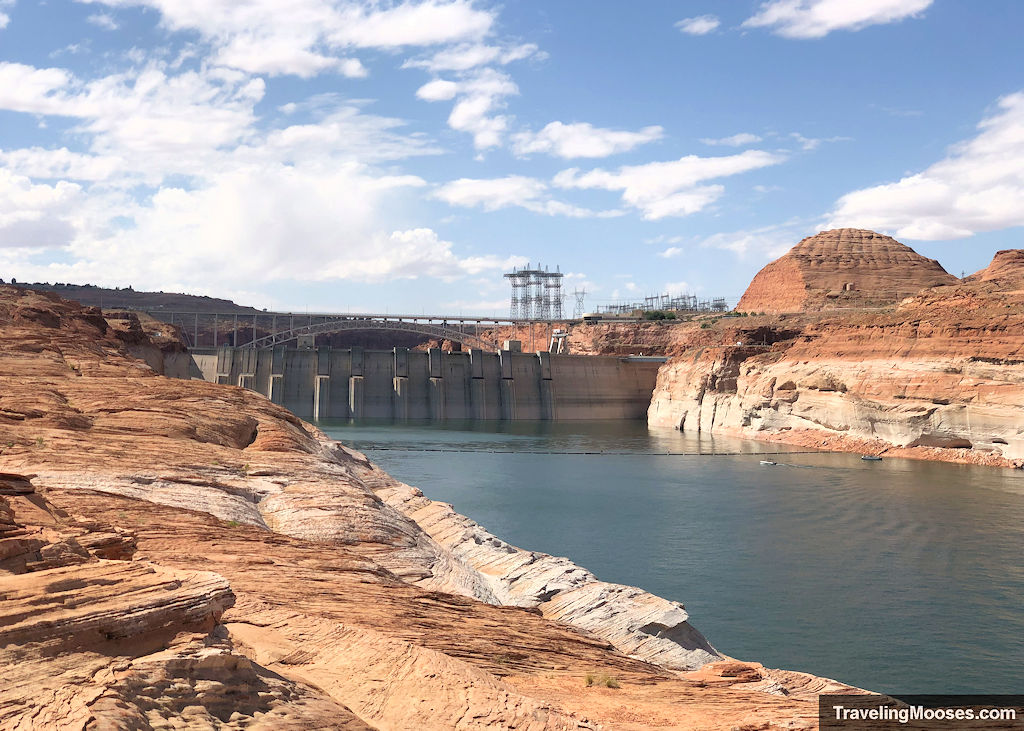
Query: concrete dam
<point x="322" y="383"/>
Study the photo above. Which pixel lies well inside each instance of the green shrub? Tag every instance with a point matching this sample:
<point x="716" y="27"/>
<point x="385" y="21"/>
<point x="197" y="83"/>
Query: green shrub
<point x="659" y="315"/>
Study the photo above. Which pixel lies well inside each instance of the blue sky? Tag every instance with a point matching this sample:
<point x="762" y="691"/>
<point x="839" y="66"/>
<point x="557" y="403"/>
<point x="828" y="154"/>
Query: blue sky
<point x="400" y="156"/>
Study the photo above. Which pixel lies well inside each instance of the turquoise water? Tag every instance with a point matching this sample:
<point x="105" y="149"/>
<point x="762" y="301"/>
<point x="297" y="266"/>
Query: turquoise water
<point x="899" y="576"/>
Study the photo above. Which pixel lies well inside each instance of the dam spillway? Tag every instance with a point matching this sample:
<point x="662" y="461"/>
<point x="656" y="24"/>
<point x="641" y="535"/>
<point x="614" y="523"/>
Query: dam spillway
<point x="338" y="383"/>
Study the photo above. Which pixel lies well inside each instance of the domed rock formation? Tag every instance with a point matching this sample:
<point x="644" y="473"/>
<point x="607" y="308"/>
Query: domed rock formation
<point x="844" y="267"/>
<point x="1007" y="266"/>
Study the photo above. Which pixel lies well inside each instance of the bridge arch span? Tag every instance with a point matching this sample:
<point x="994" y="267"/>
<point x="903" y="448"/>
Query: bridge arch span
<point x="351" y="324"/>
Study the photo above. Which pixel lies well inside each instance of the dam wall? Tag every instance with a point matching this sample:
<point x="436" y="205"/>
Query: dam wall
<point x="326" y="383"/>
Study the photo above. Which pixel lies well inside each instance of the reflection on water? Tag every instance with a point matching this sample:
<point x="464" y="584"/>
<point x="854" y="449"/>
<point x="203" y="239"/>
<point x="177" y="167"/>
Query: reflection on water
<point x="897" y="575"/>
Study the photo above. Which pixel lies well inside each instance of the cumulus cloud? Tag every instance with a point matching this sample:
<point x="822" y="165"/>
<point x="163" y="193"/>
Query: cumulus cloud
<point x="818" y="18"/>
<point x="512" y="191"/>
<point x="438" y="90"/>
<point x="34" y="216"/>
<point x="698" y="26"/>
<point x="581" y="139"/>
<point x="311" y="224"/>
<point x="307" y="37"/>
<point x="478" y="96"/>
<point x="978" y="186"/>
<point x="59" y="163"/>
<point x="672" y="188"/>
<point x="226" y="200"/>
<point x="736" y="140"/>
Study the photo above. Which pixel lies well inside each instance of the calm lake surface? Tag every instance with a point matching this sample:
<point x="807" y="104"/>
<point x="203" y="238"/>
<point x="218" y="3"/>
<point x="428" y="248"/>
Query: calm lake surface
<point x="898" y="576"/>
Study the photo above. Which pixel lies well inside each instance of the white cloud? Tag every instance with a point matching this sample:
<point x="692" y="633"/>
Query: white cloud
<point x="736" y="140"/>
<point x="233" y="202"/>
<point x="478" y="96"/>
<point x="346" y="133"/>
<point x="698" y="26"/>
<point x="813" y="143"/>
<point x="38" y="162"/>
<point x="34" y="216"/>
<point x="312" y="222"/>
<point x="514" y="190"/>
<point x="470" y="55"/>
<point x="438" y="90"/>
<point x="671" y="188"/>
<point x="103" y="20"/>
<point x="406" y="24"/>
<point x="676" y="289"/>
<point x="411" y="254"/>
<point x="818" y="18"/>
<point x="307" y="37"/>
<point x="979" y="186"/>
<point x="29" y="89"/>
<point x="4" y="17"/>
<point x="672" y="252"/>
<point x="769" y="242"/>
<point x="144" y="114"/>
<point x="581" y="139"/>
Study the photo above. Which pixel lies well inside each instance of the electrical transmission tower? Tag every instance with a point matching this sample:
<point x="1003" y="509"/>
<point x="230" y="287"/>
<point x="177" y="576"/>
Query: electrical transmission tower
<point x="580" y="295"/>
<point x="536" y="294"/>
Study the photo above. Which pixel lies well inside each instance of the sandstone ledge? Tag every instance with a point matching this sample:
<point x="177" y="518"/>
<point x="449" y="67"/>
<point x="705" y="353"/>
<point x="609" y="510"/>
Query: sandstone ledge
<point x="356" y="601"/>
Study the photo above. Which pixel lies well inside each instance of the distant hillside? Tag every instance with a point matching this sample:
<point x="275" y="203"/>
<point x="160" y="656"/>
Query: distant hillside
<point x="129" y="299"/>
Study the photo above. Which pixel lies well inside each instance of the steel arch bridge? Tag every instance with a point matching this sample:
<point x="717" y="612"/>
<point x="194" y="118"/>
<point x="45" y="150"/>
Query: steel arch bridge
<point x="445" y="332"/>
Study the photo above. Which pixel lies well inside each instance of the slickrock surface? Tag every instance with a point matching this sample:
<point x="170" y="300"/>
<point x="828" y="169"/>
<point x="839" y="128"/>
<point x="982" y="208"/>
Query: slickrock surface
<point x="194" y="556"/>
<point x="844" y="267"/>
<point x="940" y="376"/>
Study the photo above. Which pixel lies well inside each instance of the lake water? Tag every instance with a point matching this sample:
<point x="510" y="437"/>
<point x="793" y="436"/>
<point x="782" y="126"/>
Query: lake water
<point x="898" y="576"/>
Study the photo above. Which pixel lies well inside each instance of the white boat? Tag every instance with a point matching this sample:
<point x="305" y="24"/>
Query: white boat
<point x="871" y="458"/>
<point x="768" y="461"/>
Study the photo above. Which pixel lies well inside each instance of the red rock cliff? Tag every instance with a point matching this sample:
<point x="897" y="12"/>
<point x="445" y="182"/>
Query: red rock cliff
<point x="845" y="267"/>
<point x="940" y="376"/>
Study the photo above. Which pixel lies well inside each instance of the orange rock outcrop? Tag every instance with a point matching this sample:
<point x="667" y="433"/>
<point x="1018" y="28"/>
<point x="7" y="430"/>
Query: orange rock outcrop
<point x="844" y="267"/>
<point x="937" y="376"/>
<point x="1007" y="267"/>
<point x="179" y="554"/>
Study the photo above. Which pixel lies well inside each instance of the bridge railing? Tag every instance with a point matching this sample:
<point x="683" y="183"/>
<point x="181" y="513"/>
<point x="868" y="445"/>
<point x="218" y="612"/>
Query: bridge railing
<point x="266" y="329"/>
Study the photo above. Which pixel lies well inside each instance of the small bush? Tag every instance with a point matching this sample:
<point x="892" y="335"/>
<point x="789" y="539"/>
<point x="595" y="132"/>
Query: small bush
<point x="659" y="315"/>
<point x="233" y="524"/>
<point x="601" y="680"/>
<point x="705" y="325"/>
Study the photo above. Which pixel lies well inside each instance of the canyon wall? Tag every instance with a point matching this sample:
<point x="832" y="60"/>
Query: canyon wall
<point x="183" y="553"/>
<point x="938" y="376"/>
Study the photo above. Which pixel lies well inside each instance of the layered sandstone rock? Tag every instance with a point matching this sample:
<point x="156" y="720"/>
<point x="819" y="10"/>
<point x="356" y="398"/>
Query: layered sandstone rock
<point x="192" y="555"/>
<point x="1006" y="267"/>
<point x="844" y="267"/>
<point x="941" y="376"/>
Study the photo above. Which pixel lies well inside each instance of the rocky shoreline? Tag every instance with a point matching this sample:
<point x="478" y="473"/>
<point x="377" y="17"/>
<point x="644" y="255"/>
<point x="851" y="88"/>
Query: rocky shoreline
<point x="180" y="554"/>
